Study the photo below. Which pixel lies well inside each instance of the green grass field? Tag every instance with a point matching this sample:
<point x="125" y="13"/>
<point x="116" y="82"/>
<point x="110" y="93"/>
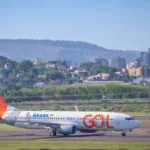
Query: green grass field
<point x="49" y="145"/>
<point x="137" y="113"/>
<point x="130" y="105"/>
<point x="5" y="127"/>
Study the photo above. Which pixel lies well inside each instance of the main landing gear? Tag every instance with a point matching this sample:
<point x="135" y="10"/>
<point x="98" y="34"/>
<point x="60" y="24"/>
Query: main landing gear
<point x="53" y="132"/>
<point x="123" y="134"/>
<point x="66" y="134"/>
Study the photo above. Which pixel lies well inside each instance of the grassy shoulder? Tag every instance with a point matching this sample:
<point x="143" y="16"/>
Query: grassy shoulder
<point x="138" y="109"/>
<point x="5" y="127"/>
<point x="138" y="113"/>
<point x="46" y="144"/>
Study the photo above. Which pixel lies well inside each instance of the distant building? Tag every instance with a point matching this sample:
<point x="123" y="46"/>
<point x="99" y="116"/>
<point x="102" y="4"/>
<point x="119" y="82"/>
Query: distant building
<point x="120" y="74"/>
<point x="49" y="65"/>
<point x="99" y="77"/>
<point x="8" y="66"/>
<point x="37" y="62"/>
<point x="118" y="62"/>
<point x="134" y="64"/>
<point x="81" y="72"/>
<point x="11" y="76"/>
<point x="102" y="61"/>
<point x="138" y="62"/>
<point x="39" y="85"/>
<point x="20" y="75"/>
<point x="136" y="72"/>
<point x="123" y="70"/>
<point x="62" y="69"/>
<point x="146" y="71"/>
<point x="90" y="78"/>
<point x="145" y="58"/>
<point x="72" y="67"/>
<point x="104" y="76"/>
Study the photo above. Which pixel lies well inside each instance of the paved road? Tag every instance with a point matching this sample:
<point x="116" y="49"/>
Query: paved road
<point x="138" y="135"/>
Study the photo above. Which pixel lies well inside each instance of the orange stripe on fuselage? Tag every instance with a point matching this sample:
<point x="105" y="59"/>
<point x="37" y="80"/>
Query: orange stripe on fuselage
<point x="3" y="106"/>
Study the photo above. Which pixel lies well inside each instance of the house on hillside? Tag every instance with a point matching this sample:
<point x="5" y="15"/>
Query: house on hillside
<point x="11" y="76"/>
<point x="72" y="68"/>
<point x="39" y="85"/>
<point x="8" y="66"/>
<point x="82" y="73"/>
<point x="99" y="77"/>
<point x="62" y="69"/>
<point x="50" y="65"/>
<point x="37" y="62"/>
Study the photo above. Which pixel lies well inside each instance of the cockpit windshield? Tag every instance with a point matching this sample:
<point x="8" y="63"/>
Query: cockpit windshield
<point x="129" y="118"/>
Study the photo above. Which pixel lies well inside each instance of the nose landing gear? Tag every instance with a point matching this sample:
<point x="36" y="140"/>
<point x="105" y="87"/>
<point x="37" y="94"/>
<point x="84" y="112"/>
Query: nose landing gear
<point x="130" y="130"/>
<point x="123" y="134"/>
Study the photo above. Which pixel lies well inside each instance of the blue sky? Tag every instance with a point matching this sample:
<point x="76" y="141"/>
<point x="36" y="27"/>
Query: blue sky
<point x="116" y="24"/>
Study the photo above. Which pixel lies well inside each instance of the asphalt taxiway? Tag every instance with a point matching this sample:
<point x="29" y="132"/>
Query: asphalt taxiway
<point x="141" y="134"/>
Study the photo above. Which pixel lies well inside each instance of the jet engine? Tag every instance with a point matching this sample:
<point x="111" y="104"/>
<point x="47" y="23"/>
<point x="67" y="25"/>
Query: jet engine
<point x="66" y="129"/>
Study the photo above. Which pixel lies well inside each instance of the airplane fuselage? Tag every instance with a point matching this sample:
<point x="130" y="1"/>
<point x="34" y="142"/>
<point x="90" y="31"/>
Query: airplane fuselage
<point x="81" y="120"/>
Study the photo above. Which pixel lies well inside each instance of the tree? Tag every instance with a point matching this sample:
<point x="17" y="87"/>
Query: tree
<point x="56" y="76"/>
<point x="87" y="65"/>
<point x="4" y="72"/>
<point x="68" y="75"/>
<point x="3" y="61"/>
<point x="25" y="65"/>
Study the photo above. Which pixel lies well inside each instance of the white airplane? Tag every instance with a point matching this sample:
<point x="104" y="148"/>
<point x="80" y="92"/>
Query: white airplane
<point x="67" y="122"/>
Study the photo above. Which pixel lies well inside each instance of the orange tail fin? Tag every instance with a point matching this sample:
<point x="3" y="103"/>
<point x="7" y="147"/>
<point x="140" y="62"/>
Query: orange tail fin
<point x="3" y="106"/>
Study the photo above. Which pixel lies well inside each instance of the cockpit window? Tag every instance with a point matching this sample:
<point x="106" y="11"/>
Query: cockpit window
<point x="129" y="118"/>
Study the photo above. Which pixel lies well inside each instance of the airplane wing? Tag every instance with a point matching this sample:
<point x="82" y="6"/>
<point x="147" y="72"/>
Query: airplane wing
<point x="49" y="125"/>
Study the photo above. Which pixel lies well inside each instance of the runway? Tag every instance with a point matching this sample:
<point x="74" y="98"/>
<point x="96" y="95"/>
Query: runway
<point x="141" y="134"/>
<point x="142" y="117"/>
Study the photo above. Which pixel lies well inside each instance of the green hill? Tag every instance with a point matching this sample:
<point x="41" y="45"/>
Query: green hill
<point x="76" y="51"/>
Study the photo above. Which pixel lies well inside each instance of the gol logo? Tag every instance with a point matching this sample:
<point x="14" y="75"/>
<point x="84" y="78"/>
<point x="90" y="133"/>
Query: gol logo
<point x="89" y="121"/>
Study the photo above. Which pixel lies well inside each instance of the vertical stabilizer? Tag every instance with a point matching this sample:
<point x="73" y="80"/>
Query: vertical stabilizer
<point x="3" y="106"/>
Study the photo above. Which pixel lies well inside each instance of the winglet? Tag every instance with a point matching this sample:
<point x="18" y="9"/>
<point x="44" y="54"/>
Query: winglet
<point x="3" y="106"/>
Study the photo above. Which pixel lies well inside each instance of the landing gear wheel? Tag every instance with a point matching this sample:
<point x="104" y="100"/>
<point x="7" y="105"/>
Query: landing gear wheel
<point x="123" y="134"/>
<point x="51" y="133"/>
<point x="54" y="133"/>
